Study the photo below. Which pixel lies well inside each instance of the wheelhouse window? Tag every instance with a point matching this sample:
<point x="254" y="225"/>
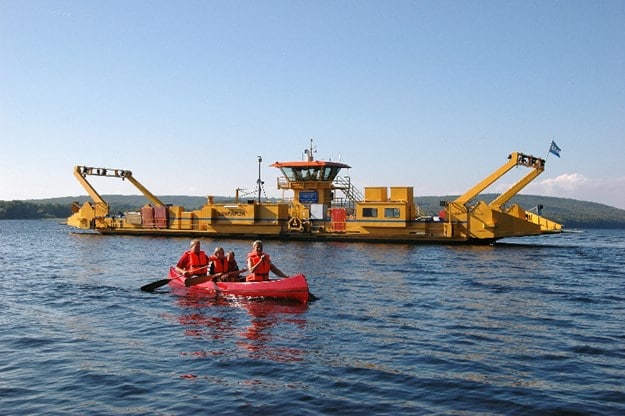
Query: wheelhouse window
<point x="306" y="173"/>
<point x="330" y="173"/>
<point x="370" y="212"/>
<point x="311" y="174"/>
<point x="289" y="173"/>
<point x="391" y="212"/>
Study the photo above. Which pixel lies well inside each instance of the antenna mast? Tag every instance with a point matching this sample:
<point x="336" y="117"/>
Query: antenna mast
<point x="309" y="152"/>
<point x="259" y="182"/>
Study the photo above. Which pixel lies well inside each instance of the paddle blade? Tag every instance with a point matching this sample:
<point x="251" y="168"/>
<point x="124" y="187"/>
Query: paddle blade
<point x="150" y="287"/>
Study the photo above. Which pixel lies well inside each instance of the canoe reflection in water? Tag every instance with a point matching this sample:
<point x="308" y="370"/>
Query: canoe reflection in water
<point x="269" y="329"/>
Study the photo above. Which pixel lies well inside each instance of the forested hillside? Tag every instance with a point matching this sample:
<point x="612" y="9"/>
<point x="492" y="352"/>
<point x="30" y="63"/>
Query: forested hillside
<point x="570" y="212"/>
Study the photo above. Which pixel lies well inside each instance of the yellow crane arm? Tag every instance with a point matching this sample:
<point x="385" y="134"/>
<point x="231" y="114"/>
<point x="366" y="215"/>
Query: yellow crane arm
<point x="514" y="189"/>
<point x="80" y="172"/>
<point x="514" y="159"/>
<point x="149" y="195"/>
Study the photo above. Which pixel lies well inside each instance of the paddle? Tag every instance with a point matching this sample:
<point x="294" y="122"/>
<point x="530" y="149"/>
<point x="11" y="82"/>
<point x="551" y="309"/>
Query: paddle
<point x="196" y="280"/>
<point x="150" y="287"/>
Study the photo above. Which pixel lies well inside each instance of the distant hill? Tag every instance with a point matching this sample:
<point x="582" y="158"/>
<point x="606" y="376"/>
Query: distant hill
<point x="570" y="212"/>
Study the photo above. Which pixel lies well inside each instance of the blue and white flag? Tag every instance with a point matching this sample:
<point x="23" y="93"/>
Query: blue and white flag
<point x="554" y="149"/>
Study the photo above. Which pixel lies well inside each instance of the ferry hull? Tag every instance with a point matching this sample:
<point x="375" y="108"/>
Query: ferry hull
<point x="382" y="239"/>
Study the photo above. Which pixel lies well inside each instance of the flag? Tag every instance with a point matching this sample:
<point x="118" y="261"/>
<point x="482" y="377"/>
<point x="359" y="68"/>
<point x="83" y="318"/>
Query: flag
<point x="554" y="149"/>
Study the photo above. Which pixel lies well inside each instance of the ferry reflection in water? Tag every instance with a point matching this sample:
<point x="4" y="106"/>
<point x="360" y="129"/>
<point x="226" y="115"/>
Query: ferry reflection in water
<point x="253" y="334"/>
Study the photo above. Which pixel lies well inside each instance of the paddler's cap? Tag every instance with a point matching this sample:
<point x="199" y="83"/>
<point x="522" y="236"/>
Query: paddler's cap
<point x="194" y="242"/>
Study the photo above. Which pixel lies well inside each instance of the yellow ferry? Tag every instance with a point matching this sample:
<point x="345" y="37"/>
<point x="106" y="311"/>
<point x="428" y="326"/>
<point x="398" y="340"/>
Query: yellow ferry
<point x="325" y="206"/>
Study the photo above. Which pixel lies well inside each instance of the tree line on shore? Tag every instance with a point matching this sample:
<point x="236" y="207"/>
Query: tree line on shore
<point x="570" y="212"/>
<point x="16" y="210"/>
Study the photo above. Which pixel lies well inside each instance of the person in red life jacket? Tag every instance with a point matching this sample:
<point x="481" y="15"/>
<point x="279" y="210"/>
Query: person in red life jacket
<point x="221" y="268"/>
<point x="259" y="264"/>
<point x="232" y="262"/>
<point x="218" y="263"/>
<point x="193" y="262"/>
<point x="233" y="268"/>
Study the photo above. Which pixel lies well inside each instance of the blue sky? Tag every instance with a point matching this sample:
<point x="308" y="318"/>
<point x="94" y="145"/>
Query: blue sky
<point x="430" y="94"/>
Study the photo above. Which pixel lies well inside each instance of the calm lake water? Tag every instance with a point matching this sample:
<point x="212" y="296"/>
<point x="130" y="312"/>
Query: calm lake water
<point x="528" y="326"/>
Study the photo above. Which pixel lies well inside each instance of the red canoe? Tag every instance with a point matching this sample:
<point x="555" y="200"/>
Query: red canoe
<point x="293" y="287"/>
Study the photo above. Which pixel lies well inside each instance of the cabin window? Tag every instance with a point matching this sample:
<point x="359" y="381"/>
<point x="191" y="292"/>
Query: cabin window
<point x="311" y="174"/>
<point x="289" y="173"/>
<point x="330" y="173"/>
<point x="370" y="212"/>
<point x="391" y="212"/>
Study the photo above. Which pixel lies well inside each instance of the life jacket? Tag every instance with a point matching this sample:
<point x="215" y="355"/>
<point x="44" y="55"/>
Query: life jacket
<point x="218" y="265"/>
<point x="197" y="261"/>
<point x="261" y="272"/>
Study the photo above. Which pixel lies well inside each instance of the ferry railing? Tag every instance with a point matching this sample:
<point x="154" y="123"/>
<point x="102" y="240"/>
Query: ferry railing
<point x="345" y="185"/>
<point x="282" y="183"/>
<point x="346" y="203"/>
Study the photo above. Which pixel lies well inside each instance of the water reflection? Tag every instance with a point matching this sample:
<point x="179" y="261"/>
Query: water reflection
<point x="253" y="328"/>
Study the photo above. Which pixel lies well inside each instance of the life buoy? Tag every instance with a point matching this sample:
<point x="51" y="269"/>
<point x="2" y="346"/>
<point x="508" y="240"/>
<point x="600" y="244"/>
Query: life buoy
<point x="295" y="224"/>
